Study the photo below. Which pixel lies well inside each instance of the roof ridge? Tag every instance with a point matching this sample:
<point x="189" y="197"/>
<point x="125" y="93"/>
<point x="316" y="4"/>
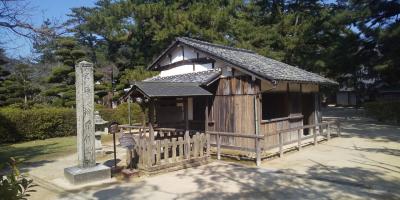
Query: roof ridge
<point x="181" y="39"/>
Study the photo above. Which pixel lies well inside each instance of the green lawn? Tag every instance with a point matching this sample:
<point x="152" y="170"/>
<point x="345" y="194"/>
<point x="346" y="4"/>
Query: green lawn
<point x="41" y="150"/>
<point x="38" y="150"/>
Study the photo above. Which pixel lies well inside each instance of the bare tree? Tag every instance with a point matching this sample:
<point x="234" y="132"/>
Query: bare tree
<point x="14" y="17"/>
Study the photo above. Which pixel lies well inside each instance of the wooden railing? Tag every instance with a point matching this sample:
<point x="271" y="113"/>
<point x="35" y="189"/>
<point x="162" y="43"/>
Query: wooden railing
<point x="169" y="151"/>
<point x="257" y="138"/>
<point x="300" y="137"/>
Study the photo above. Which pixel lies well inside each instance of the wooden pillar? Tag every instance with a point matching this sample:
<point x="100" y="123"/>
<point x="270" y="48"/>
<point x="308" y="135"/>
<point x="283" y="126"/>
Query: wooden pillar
<point x="218" y="146"/>
<point x="298" y="139"/>
<point x="151" y="158"/>
<point x="205" y="129"/>
<point x="151" y="120"/>
<point x="185" y="113"/>
<point x="328" y="137"/>
<point x="280" y="144"/>
<point x="315" y="135"/>
<point x="187" y="145"/>
<point x="257" y="132"/>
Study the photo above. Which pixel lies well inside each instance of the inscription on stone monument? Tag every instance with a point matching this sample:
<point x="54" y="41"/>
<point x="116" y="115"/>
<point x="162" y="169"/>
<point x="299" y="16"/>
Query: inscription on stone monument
<point x="85" y="114"/>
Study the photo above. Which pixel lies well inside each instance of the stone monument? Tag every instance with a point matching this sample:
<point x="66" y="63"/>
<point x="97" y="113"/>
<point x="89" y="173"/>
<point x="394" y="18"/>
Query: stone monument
<point x="87" y="170"/>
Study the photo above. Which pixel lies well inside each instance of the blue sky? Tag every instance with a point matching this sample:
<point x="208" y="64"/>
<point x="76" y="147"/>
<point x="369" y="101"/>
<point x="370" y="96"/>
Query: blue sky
<point x="43" y="9"/>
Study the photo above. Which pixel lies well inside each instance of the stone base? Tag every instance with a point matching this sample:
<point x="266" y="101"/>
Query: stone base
<point x="77" y="175"/>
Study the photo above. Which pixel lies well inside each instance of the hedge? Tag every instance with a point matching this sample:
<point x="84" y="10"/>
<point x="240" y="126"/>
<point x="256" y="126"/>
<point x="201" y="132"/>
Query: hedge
<point x="38" y="123"/>
<point x="17" y="124"/>
<point x="384" y="110"/>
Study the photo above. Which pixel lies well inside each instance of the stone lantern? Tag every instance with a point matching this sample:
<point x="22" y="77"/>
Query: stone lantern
<point x="100" y="129"/>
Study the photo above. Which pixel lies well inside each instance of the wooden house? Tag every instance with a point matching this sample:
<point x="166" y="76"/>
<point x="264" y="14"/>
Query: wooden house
<point x="211" y="87"/>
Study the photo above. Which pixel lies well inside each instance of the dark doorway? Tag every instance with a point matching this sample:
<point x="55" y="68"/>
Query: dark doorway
<point x="308" y="110"/>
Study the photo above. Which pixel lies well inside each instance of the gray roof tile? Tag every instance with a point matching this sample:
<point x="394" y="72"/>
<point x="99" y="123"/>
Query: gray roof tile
<point x="255" y="63"/>
<point x="163" y="89"/>
<point x="202" y="77"/>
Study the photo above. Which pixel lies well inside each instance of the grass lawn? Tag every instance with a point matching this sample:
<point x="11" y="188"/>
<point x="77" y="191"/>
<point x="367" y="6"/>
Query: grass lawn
<point x="41" y="150"/>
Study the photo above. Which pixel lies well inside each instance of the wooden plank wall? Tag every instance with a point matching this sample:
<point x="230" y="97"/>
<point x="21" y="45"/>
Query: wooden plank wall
<point x="232" y="109"/>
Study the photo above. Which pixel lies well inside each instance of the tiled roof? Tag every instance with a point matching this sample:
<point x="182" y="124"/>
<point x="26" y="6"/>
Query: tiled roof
<point x="202" y="77"/>
<point x="163" y="89"/>
<point x="253" y="63"/>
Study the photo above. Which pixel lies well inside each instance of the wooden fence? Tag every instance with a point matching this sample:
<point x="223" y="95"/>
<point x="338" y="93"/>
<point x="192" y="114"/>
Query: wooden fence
<point x="327" y="126"/>
<point x="170" y="149"/>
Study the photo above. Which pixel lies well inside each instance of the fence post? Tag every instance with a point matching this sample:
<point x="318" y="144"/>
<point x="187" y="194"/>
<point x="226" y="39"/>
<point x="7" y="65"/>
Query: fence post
<point x="208" y="144"/>
<point x="258" y="152"/>
<point x="180" y="141"/>
<point x="298" y="140"/>
<point x="218" y="146"/>
<point x="315" y="135"/>
<point x="280" y="144"/>
<point x="328" y="127"/>
<point x="158" y="157"/>
<point x="187" y="145"/>
<point x="173" y="140"/>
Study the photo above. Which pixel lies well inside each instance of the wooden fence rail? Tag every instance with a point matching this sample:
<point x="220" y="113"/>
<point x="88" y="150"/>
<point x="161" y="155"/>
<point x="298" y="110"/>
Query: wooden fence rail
<point x="257" y="138"/>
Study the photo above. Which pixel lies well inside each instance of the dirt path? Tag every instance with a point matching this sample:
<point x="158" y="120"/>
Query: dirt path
<point x="363" y="164"/>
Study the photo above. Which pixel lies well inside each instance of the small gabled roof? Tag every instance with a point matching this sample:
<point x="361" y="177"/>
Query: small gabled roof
<point x="249" y="62"/>
<point x="168" y="89"/>
<point x="202" y="77"/>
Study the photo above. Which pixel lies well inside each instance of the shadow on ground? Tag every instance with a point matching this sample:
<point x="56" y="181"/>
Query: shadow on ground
<point x="26" y="156"/>
<point x="231" y="181"/>
<point x="221" y="181"/>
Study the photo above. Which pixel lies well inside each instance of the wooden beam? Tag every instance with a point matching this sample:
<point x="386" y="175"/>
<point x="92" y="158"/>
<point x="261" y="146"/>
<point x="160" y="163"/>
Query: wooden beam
<point x="185" y="112"/>
<point x="241" y="135"/>
<point x="151" y="132"/>
<point x="257" y="132"/>
<point x="206" y="127"/>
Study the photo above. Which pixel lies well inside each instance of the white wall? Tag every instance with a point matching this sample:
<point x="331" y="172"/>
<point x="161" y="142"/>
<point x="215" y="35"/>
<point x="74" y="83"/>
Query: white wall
<point x="177" y="55"/>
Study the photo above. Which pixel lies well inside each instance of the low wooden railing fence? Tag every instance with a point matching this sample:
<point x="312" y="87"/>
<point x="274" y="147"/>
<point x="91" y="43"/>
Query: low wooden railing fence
<point x="301" y="137"/>
<point x="171" y="150"/>
<point x="170" y="147"/>
<point x="257" y="138"/>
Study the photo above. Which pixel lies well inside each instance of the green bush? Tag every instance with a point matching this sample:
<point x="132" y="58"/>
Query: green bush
<point x="17" y="124"/>
<point x="38" y="123"/>
<point x="384" y="110"/>
<point x="120" y="114"/>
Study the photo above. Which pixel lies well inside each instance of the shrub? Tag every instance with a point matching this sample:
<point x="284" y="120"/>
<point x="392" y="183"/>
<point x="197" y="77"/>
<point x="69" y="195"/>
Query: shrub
<point x="38" y="123"/>
<point x="17" y="124"/>
<point x="14" y="185"/>
<point x="120" y="114"/>
<point x="384" y="110"/>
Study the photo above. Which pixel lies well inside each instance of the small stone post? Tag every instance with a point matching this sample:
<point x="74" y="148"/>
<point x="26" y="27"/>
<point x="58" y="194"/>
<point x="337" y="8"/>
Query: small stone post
<point x="86" y="170"/>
